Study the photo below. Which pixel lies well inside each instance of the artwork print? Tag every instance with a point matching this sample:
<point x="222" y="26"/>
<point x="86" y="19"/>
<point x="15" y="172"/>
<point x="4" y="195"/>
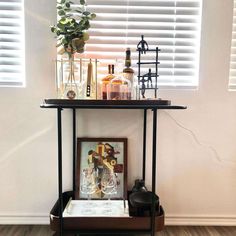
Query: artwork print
<point x="101" y="168"/>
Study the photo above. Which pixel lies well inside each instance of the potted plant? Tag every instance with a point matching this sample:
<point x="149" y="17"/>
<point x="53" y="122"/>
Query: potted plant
<point x="71" y="32"/>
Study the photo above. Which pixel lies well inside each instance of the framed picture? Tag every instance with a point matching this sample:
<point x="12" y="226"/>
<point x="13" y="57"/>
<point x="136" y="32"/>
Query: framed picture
<point x="101" y="168"/>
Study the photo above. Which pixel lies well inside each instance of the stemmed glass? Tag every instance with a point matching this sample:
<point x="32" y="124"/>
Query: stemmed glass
<point x="88" y="186"/>
<point x="108" y="187"/>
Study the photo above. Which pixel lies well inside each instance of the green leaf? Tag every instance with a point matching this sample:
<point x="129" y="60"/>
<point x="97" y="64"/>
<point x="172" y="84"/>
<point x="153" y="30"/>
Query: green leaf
<point x="63" y="1"/>
<point x="93" y="15"/>
<point x="61" y="26"/>
<point x="86" y="13"/>
<point x="81" y="23"/>
<point x="82" y="2"/>
<point x="87" y="25"/>
<point x="64" y="21"/>
<point x="59" y="7"/>
<point x="68" y="5"/>
<point x="61" y="13"/>
<point x="53" y="29"/>
<point x="85" y="36"/>
<point x="64" y="41"/>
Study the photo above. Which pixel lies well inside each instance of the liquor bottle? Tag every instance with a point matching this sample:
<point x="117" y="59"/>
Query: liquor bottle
<point x="128" y="72"/>
<point x="106" y="80"/>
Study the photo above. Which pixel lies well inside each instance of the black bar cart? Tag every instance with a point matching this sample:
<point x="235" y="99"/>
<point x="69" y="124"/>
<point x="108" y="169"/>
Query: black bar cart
<point x="117" y="225"/>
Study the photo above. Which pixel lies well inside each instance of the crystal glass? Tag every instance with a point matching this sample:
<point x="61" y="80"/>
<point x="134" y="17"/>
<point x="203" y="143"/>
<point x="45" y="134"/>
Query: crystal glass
<point x="108" y="187"/>
<point x="88" y="186"/>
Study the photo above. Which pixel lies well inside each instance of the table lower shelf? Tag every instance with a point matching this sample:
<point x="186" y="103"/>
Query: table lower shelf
<point x="95" y="224"/>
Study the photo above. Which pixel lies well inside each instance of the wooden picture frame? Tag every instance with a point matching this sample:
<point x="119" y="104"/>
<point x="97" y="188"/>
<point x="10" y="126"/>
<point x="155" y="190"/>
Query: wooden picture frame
<point x="99" y="156"/>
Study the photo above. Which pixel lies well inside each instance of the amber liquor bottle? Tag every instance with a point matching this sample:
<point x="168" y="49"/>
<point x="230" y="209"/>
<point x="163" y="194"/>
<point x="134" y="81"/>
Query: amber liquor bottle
<point x="106" y="80"/>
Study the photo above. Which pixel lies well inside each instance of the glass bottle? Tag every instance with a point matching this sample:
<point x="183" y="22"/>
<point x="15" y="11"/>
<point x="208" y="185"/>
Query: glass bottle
<point x="128" y="72"/>
<point x="105" y="81"/>
<point x="119" y="88"/>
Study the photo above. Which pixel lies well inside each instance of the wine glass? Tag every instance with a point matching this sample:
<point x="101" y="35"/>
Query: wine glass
<point x="88" y="186"/>
<point x="108" y="187"/>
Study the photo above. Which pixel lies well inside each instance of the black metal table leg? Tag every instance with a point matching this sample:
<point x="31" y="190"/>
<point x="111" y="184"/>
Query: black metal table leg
<point x="60" y="168"/>
<point x="144" y="142"/>
<point x="74" y="153"/>
<point x="74" y="149"/>
<point x="154" y="140"/>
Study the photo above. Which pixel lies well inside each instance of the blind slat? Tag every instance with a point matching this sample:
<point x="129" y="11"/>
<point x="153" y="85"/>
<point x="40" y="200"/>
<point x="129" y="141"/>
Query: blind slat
<point x="232" y="72"/>
<point x="11" y="43"/>
<point x="172" y="25"/>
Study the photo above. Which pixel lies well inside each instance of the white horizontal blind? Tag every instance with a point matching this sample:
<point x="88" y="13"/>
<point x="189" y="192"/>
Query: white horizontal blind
<point x="232" y="73"/>
<point x="172" y="25"/>
<point x="11" y="43"/>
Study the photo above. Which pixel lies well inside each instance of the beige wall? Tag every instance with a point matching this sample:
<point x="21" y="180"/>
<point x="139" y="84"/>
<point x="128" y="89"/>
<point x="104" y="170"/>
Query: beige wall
<point x="196" y="151"/>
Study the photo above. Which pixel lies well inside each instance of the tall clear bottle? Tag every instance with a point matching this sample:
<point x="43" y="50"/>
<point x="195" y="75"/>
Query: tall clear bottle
<point x="128" y="72"/>
<point x="106" y="80"/>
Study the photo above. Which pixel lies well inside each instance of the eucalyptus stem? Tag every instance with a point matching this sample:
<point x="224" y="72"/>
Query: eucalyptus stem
<point x="71" y="32"/>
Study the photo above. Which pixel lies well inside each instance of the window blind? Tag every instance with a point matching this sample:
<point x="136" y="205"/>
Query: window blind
<point x="232" y="73"/>
<point x="172" y="25"/>
<point x="11" y="43"/>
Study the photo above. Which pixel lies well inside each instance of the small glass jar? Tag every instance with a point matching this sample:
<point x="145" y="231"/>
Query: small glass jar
<point x="119" y="88"/>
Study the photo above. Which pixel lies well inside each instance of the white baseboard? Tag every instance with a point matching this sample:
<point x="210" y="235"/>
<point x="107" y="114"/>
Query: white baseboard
<point x="24" y="220"/>
<point x="201" y="220"/>
<point x="169" y="220"/>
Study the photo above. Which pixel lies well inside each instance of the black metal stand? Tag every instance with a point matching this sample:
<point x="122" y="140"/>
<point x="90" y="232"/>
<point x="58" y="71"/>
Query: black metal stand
<point x="154" y="141"/>
<point x="144" y="142"/>
<point x="144" y="80"/>
<point x="75" y="104"/>
<point x="74" y="149"/>
<point x="59" y="128"/>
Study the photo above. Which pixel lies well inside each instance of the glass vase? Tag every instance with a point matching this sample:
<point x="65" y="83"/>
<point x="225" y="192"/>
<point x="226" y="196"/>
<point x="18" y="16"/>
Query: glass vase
<point x="76" y="78"/>
<point x="68" y="78"/>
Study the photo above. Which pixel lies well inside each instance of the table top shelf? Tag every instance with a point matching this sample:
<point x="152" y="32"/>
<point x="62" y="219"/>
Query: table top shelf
<point x="110" y="104"/>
